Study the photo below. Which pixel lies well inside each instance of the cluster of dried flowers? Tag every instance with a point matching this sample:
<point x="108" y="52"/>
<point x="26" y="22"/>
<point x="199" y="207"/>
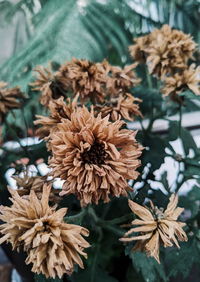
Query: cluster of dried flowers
<point x="9" y="99"/>
<point x="92" y="152"/>
<point x="100" y="83"/>
<point x="155" y="227"/>
<point x="167" y="53"/>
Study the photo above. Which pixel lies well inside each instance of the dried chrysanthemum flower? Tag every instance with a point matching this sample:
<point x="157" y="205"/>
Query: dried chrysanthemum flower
<point x="9" y="99"/>
<point x="84" y="78"/>
<point x="125" y="106"/>
<point x="49" y="85"/>
<point x="137" y="50"/>
<point x="156" y="227"/>
<point x="188" y="79"/>
<point x="59" y="109"/>
<point x="121" y="80"/>
<point x="164" y="50"/>
<point x="26" y="184"/>
<point x="94" y="156"/>
<point x="52" y="246"/>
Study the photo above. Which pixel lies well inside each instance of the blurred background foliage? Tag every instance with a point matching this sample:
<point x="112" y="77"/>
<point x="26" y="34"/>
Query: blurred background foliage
<point x="47" y="31"/>
<point x="59" y="30"/>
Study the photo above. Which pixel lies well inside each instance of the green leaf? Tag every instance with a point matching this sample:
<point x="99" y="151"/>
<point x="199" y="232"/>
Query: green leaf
<point x="150" y="269"/>
<point x="155" y="151"/>
<point x="188" y="141"/>
<point x="180" y="261"/>
<point x="191" y="201"/>
<point x="190" y="95"/>
<point x="186" y="137"/>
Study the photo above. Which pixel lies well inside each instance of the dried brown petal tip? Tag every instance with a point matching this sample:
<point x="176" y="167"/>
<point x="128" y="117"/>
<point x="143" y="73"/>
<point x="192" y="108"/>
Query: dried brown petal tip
<point x="9" y="99"/>
<point x="155" y="227"/>
<point x="52" y="246"/>
<point x="94" y="156"/>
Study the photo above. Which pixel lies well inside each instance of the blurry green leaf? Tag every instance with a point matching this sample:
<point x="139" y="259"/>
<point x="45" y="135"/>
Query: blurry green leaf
<point x="191" y="201"/>
<point x="187" y="140"/>
<point x="150" y="269"/>
<point x="180" y="261"/>
<point x="155" y="151"/>
<point x="164" y="181"/>
<point x="190" y="95"/>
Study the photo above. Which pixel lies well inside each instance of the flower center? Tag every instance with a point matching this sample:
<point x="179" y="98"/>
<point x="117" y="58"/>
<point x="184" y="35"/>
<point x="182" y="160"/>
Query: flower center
<point x="57" y="89"/>
<point x="158" y="213"/>
<point x="95" y="155"/>
<point x="45" y="225"/>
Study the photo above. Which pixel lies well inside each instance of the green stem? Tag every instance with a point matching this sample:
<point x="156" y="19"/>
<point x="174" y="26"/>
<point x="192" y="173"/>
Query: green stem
<point x="180" y="184"/>
<point x="120" y="219"/>
<point x="112" y="228"/>
<point x="93" y="273"/>
<point x="180" y="120"/>
<point x="77" y="217"/>
<point x="149" y="81"/>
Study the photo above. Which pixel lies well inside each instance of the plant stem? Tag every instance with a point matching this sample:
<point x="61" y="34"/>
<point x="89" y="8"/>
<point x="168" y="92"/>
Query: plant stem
<point x="76" y="217"/>
<point x="180" y="120"/>
<point x="149" y="81"/>
<point x="120" y="219"/>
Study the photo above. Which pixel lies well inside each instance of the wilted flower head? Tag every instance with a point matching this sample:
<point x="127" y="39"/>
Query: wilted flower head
<point x="53" y="246"/>
<point x="94" y="156"/>
<point x="156" y="227"/>
<point x="164" y="50"/>
<point x="84" y="78"/>
<point x="181" y="81"/>
<point x="121" y="80"/>
<point x="59" y="109"/>
<point x="26" y="184"/>
<point x="9" y="99"/>
<point x="137" y="50"/>
<point x="49" y="86"/>
<point x="125" y="106"/>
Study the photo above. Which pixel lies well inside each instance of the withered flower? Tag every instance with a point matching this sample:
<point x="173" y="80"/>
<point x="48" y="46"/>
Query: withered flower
<point x="164" y="50"/>
<point x="121" y="80"/>
<point x="84" y="78"/>
<point x="52" y="246"/>
<point x="137" y="50"/>
<point x="188" y="79"/>
<point x="9" y="99"/>
<point x="26" y="184"/>
<point x="94" y="156"/>
<point x="49" y="86"/>
<point x="125" y="106"/>
<point x="156" y="227"/>
<point x="59" y="109"/>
